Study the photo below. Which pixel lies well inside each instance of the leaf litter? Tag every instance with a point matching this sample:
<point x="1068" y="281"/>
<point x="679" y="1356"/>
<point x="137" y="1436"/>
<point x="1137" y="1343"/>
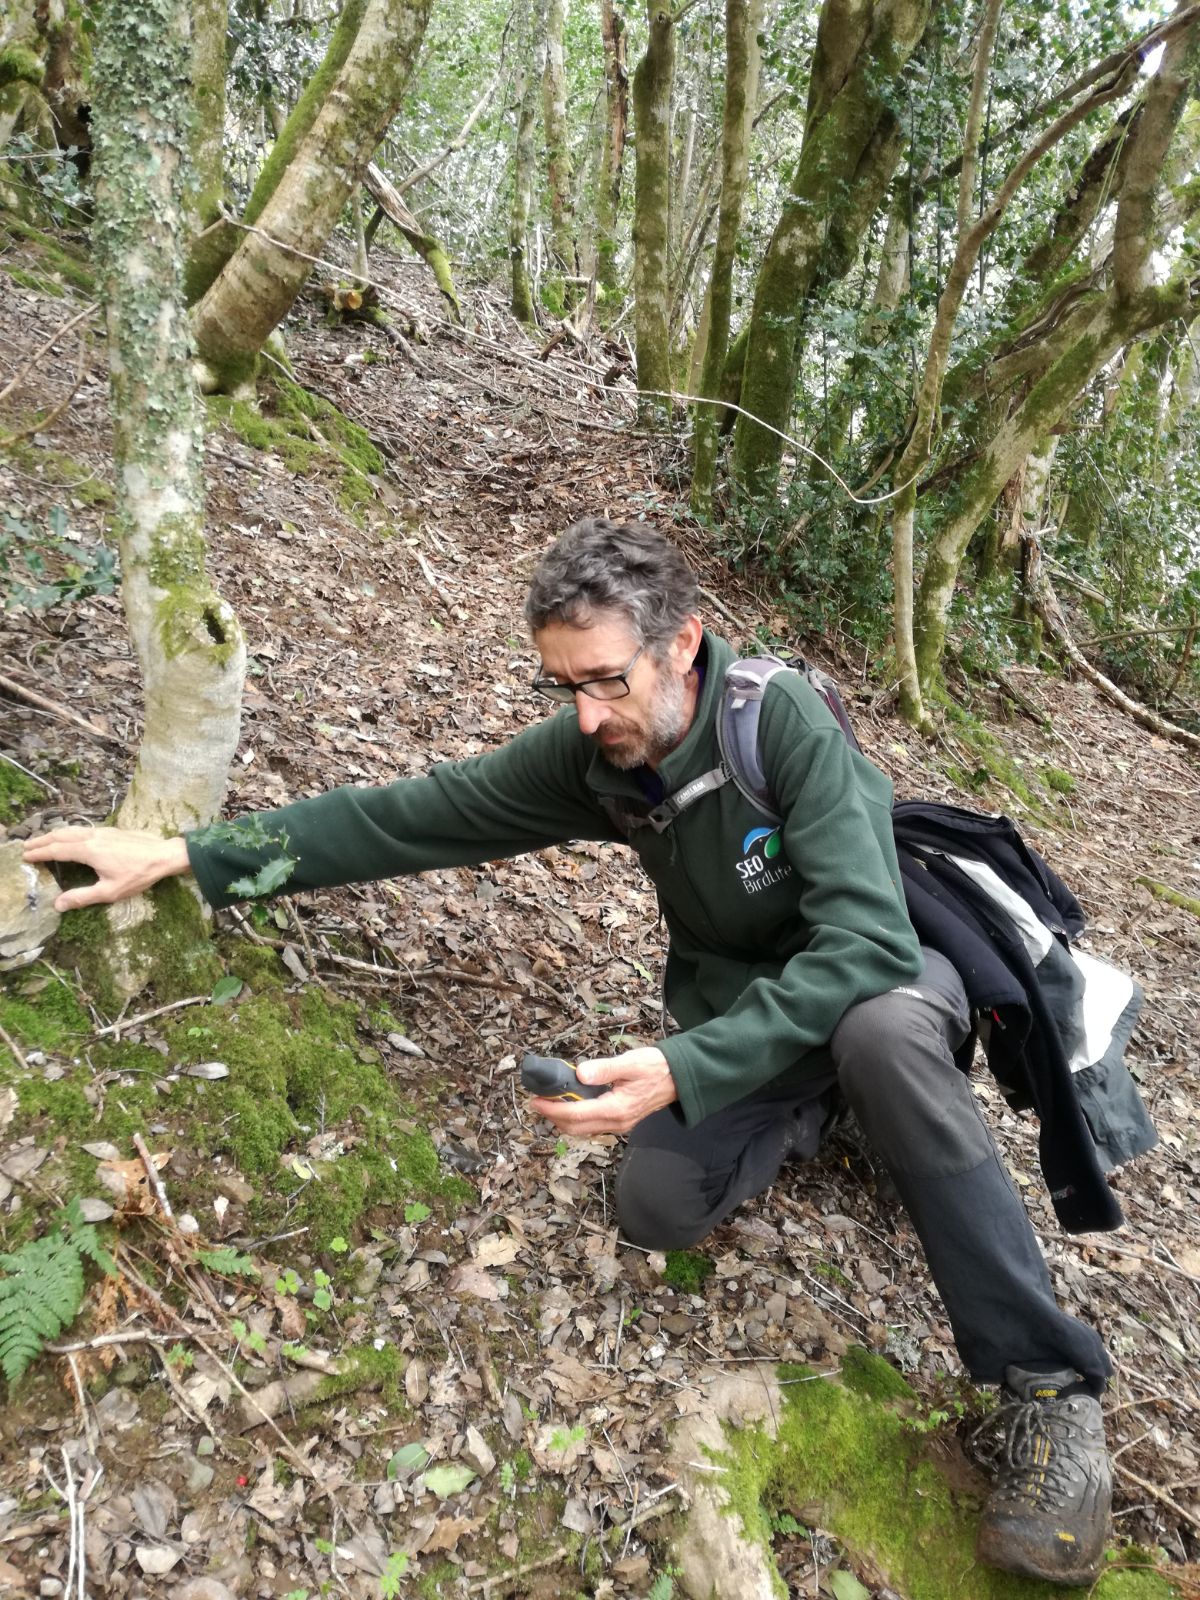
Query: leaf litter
<point x="542" y="1362"/>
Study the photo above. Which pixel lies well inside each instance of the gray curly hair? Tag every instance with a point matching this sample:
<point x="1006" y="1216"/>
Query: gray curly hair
<point x="602" y="566"/>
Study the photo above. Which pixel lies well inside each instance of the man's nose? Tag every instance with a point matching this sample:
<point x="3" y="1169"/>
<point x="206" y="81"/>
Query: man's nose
<point x="591" y="712"/>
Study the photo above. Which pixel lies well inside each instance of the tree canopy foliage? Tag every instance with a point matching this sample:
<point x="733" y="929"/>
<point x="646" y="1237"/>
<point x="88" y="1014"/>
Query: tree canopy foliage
<point x="926" y="268"/>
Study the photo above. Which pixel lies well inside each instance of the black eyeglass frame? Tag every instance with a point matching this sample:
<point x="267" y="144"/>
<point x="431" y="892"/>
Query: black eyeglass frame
<point x="564" y="693"/>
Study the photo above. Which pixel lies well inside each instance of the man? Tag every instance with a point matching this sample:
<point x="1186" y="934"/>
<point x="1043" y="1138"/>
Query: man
<point x="793" y="974"/>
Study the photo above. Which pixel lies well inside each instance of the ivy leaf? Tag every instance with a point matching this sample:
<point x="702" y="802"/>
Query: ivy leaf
<point x="847" y="1587"/>
<point x="409" y="1458"/>
<point x="453" y="1478"/>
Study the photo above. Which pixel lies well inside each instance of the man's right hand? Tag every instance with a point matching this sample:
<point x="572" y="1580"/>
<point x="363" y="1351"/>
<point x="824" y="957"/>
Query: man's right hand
<point x="126" y="862"/>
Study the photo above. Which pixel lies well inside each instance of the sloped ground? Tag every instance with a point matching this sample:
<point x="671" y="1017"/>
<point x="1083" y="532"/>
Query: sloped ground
<point x="380" y="645"/>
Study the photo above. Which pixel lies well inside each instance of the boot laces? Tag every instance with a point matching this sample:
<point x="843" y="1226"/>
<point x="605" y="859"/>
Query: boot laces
<point x="1034" y="1466"/>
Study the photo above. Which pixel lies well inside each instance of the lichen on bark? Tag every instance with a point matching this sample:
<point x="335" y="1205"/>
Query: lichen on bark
<point x="192" y="669"/>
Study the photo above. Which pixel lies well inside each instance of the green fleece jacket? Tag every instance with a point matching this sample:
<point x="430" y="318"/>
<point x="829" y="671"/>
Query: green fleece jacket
<point x="774" y="932"/>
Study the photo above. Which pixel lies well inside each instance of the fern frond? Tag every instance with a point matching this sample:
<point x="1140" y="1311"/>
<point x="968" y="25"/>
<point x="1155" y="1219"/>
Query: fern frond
<point x="224" y="1258"/>
<point x="86" y="1240"/>
<point x="39" y="1296"/>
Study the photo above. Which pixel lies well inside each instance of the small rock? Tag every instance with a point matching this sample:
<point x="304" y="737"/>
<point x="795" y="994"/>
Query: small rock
<point x="477" y="1454"/>
<point x="156" y="1559"/>
<point x="206" y="1446"/>
<point x="117" y="1409"/>
<point x="200" y="1477"/>
<point x="50" y="1586"/>
<point x="202" y="1589"/>
<point x="234" y="1188"/>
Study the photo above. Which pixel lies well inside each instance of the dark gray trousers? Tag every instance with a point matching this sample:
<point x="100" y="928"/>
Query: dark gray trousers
<point x="896" y="1071"/>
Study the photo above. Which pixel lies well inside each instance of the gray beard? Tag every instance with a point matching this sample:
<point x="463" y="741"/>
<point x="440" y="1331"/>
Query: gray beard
<point x="666" y="728"/>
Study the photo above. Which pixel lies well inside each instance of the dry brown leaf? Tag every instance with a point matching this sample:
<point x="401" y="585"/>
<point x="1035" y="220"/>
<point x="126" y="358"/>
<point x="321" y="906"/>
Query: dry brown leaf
<point x="447" y="1531"/>
<point x="470" y="1279"/>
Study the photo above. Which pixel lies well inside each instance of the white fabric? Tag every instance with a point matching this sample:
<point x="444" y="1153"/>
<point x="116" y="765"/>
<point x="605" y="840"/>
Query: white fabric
<point x="1106" y="993"/>
<point x="1036" y="937"/>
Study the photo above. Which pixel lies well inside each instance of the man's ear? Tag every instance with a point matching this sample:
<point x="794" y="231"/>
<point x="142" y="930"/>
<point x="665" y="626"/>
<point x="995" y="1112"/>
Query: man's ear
<point x="686" y="644"/>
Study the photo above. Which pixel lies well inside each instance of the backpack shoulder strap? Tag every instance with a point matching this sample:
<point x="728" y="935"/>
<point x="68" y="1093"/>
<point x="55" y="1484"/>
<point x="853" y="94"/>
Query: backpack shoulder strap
<point x="738" y="718"/>
<point x="737" y="727"/>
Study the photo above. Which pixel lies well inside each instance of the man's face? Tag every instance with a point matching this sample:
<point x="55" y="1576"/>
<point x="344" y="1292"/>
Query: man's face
<point x="647" y="723"/>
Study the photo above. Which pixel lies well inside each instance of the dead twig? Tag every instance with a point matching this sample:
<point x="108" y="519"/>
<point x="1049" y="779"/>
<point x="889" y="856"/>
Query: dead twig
<point x="156" y="1183"/>
<point x="146" y="1016"/>
<point x="14" y="1049"/>
<point x="31" y="697"/>
<point x="1160" y="1495"/>
<point x="19" y="376"/>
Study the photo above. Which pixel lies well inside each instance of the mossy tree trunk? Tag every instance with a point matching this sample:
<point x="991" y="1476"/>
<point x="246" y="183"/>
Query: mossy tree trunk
<point x="22" y="69"/>
<point x="258" y="284"/>
<point x="743" y="19"/>
<point x="187" y="639"/>
<point x="652" y="85"/>
<point x="558" y="155"/>
<point x="427" y="245"/>
<point x="210" y="254"/>
<point x="1099" y="324"/>
<point x="210" y="21"/>
<point x="525" y="90"/>
<point x="852" y="145"/>
<point x="616" y="125"/>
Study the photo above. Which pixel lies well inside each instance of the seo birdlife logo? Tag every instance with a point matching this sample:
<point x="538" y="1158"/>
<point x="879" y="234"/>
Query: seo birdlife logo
<point x="763" y="862"/>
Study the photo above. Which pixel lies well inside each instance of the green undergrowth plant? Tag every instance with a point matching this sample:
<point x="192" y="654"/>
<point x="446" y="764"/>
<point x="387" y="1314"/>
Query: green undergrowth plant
<point x="866" y="1452"/>
<point x="42" y="1287"/>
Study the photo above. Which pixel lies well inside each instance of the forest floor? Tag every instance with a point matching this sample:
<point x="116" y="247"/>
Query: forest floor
<point x="542" y="1362"/>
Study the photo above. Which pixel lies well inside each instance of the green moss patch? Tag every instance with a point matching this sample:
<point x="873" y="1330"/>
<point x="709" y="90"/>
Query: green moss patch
<point x="883" y="1489"/>
<point x="18" y="793"/>
<point x="308" y="1113"/>
<point x="686" y="1270"/>
<point x="49" y="260"/>
<point x="309" y="434"/>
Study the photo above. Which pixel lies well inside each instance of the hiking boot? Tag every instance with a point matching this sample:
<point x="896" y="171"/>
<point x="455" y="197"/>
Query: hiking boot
<point x="1047" y="1516"/>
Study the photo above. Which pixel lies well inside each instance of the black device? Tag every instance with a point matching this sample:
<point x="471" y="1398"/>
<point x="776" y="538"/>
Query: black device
<point x="554" y="1079"/>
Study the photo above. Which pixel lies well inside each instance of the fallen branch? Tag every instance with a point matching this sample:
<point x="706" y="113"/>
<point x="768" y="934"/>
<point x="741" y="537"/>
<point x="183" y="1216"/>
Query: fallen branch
<point x="1045" y="603"/>
<point x="1160" y="1495"/>
<point x="40" y="424"/>
<point x="1173" y="897"/>
<point x="156" y="1183"/>
<point x="19" y="692"/>
<point x="15" y="381"/>
<point x="159" y="1011"/>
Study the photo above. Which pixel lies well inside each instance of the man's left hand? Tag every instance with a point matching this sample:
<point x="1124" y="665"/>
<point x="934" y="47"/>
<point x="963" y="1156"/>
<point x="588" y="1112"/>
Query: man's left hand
<point x="641" y="1083"/>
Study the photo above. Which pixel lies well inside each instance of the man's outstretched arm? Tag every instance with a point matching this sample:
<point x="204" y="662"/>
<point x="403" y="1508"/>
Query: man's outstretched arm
<point x="125" y="861"/>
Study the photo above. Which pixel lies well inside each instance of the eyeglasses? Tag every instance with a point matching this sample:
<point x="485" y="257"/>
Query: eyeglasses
<point x="615" y="687"/>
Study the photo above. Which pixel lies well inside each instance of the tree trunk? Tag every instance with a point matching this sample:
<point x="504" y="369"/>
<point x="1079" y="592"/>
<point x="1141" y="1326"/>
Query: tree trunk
<point x="616" y="124"/>
<point x="526" y="91"/>
<point x="262" y="278"/>
<point x="430" y="248"/>
<point x="743" y="19"/>
<point x="558" y="157"/>
<point x="652" y="84"/>
<point x="187" y="639"/>
<point x="852" y="144"/>
<point x="210" y="254"/>
<point x="210" y="20"/>
<point x="1098" y="328"/>
<point x="22" y="69"/>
